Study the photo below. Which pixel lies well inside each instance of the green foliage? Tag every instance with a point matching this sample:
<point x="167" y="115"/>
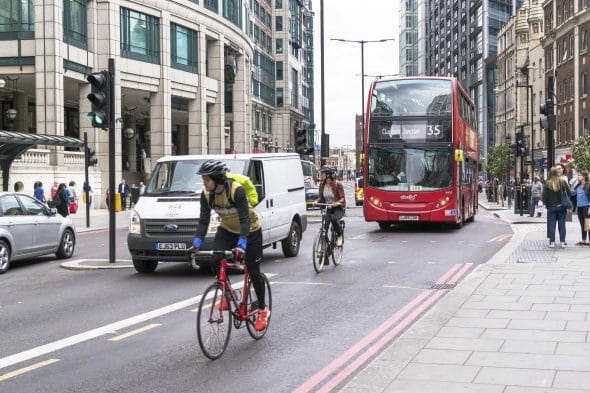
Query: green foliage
<point x="581" y="153"/>
<point x="498" y="161"/>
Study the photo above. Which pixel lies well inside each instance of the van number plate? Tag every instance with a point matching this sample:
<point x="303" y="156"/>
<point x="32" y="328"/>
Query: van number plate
<point x="408" y="218"/>
<point x="170" y="246"/>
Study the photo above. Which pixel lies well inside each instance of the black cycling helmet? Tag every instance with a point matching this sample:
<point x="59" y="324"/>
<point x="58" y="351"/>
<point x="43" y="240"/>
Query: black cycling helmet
<point x="328" y="170"/>
<point x="212" y="168"/>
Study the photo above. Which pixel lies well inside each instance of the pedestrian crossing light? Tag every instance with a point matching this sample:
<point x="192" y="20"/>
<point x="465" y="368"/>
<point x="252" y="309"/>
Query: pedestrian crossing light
<point x="100" y="98"/>
<point x="301" y="141"/>
<point x="91" y="159"/>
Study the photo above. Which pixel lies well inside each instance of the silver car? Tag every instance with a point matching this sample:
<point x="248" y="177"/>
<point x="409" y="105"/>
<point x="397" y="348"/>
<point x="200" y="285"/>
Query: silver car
<point x="28" y="228"/>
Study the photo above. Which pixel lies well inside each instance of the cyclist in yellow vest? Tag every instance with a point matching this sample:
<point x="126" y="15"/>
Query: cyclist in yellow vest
<point x="240" y="225"/>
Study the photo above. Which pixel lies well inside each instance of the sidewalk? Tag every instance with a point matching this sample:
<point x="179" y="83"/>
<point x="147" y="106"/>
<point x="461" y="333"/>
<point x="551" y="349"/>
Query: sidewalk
<point x="99" y="219"/>
<point x="517" y="324"/>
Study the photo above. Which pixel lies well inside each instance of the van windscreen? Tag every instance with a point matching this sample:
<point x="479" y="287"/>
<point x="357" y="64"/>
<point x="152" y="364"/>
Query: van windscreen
<point x="181" y="178"/>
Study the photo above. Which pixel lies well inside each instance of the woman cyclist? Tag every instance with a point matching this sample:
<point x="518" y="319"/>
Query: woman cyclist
<point x="240" y="225"/>
<point x="332" y="192"/>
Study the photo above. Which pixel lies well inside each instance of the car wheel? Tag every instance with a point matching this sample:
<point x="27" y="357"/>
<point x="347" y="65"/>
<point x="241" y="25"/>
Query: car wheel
<point x="4" y="256"/>
<point x="291" y="244"/>
<point x="144" y="266"/>
<point x="67" y="245"/>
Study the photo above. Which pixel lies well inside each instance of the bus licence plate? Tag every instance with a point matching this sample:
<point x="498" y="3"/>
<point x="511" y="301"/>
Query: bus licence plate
<point x="170" y="246"/>
<point x="408" y="218"/>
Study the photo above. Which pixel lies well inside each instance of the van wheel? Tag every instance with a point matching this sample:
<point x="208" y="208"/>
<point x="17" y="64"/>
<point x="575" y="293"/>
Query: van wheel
<point x="291" y="244"/>
<point x="145" y="266"/>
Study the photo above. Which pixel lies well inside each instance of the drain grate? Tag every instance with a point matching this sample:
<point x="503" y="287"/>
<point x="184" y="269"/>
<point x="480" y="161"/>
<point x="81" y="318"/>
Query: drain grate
<point x="443" y="286"/>
<point x="533" y="251"/>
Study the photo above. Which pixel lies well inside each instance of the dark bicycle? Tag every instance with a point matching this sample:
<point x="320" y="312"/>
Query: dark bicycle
<point x="324" y="245"/>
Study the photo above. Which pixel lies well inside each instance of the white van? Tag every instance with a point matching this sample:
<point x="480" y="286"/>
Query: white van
<point x="164" y="221"/>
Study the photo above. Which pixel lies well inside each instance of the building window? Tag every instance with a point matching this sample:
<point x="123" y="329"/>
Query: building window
<point x="232" y="11"/>
<point x="279" y="96"/>
<point x="584" y="42"/>
<point x="585" y="84"/>
<point x="279" y="68"/>
<point x="279" y="4"/>
<point x="184" y="48"/>
<point x="17" y="16"/>
<point x="279" y="23"/>
<point x="74" y="20"/>
<point x="212" y="5"/>
<point x="294" y="85"/>
<point x="279" y="45"/>
<point x="140" y="36"/>
<point x="585" y="126"/>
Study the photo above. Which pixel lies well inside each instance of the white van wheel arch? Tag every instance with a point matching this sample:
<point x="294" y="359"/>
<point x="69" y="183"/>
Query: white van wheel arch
<point x="291" y="243"/>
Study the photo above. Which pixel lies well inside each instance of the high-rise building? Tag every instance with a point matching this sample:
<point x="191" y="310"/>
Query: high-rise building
<point x="461" y="42"/>
<point x="194" y="77"/>
<point x="412" y="38"/>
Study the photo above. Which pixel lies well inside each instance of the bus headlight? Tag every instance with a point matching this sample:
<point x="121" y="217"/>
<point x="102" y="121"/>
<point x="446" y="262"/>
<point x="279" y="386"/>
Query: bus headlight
<point x="376" y="202"/>
<point x="443" y="202"/>
<point x="134" y="223"/>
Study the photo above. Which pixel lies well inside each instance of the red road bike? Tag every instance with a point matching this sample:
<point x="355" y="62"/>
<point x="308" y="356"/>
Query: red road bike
<point x="222" y="306"/>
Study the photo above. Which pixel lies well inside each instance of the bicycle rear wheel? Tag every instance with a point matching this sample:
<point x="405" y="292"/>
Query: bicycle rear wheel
<point x="337" y="251"/>
<point x="319" y="252"/>
<point x="253" y="304"/>
<point x="213" y="322"/>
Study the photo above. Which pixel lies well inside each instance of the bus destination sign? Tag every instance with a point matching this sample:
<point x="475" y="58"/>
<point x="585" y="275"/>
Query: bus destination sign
<point x="432" y="130"/>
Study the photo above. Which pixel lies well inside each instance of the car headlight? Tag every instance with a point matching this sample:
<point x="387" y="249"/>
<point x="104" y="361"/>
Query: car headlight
<point x="134" y="223"/>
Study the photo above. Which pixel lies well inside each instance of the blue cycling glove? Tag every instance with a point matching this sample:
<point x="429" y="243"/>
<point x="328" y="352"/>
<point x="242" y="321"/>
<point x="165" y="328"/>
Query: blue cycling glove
<point x="242" y="243"/>
<point x="197" y="242"/>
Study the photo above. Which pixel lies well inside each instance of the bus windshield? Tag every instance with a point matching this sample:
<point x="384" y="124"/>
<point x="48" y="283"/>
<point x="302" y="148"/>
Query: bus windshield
<point x="410" y="169"/>
<point x="181" y="178"/>
<point x="412" y="97"/>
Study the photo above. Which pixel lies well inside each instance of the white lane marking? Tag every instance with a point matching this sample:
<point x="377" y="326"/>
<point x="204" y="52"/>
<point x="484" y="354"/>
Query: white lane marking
<point x="23" y="370"/>
<point x="134" y="332"/>
<point x="300" y="283"/>
<point x="100" y="331"/>
<point x="402" y="287"/>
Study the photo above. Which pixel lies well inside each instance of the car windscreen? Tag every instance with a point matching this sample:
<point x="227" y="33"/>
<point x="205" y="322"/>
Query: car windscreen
<point x="181" y="178"/>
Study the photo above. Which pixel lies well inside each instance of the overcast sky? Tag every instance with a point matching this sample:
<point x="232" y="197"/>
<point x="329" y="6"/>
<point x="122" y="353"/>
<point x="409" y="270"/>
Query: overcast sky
<point x="352" y="20"/>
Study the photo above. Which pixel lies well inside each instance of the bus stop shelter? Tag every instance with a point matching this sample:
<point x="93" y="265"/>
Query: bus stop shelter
<point x="13" y="144"/>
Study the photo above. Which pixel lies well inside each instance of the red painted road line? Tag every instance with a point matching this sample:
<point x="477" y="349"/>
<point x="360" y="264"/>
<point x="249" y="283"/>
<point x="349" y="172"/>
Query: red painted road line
<point x="460" y="274"/>
<point x="448" y="274"/>
<point x="352" y="351"/>
<point x="346" y="356"/>
<point x="373" y="349"/>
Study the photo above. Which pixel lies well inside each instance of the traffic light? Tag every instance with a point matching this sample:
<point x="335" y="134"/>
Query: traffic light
<point x="100" y="97"/>
<point x="548" y="115"/>
<point x="301" y="141"/>
<point x="91" y="159"/>
<point x="520" y="144"/>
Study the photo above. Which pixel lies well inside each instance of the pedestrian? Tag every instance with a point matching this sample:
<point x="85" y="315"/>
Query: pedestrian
<point x="124" y="191"/>
<point x="72" y="191"/>
<point x="54" y="190"/>
<point x="39" y="192"/>
<point x="555" y="211"/>
<point x="87" y="188"/>
<point x="141" y="188"/>
<point x="582" y="192"/>
<point x="536" y="193"/>
<point x="107" y="199"/>
<point x="19" y="186"/>
<point x="60" y="202"/>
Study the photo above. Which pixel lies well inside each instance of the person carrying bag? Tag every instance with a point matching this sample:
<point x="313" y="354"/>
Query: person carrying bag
<point x="582" y="193"/>
<point x="553" y="198"/>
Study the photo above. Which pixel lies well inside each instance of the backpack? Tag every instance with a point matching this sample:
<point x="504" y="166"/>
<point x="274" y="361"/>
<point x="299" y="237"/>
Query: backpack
<point x="245" y="182"/>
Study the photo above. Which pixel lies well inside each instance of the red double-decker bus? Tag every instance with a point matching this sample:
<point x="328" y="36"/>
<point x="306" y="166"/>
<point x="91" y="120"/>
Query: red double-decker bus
<point x="420" y="152"/>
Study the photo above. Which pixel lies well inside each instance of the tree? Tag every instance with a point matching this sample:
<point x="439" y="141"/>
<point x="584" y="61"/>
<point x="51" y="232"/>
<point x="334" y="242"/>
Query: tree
<point x="581" y="153"/>
<point x="498" y="161"/>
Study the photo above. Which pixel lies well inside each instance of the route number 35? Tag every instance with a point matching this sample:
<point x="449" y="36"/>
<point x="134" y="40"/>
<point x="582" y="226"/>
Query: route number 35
<point x="433" y="130"/>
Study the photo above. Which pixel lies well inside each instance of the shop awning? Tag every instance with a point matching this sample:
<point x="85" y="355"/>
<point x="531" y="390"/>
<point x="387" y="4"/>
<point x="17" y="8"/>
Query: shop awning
<point x="13" y="144"/>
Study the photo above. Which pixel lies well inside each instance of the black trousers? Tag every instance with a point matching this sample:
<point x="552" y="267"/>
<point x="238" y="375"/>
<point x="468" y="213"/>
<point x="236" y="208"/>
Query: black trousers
<point x="334" y="214"/>
<point x="225" y="240"/>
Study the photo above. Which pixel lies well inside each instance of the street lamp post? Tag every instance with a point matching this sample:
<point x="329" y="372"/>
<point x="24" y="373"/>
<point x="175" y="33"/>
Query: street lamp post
<point x="363" y="42"/>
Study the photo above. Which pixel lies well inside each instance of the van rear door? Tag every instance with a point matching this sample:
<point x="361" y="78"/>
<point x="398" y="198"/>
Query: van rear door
<point x="256" y="174"/>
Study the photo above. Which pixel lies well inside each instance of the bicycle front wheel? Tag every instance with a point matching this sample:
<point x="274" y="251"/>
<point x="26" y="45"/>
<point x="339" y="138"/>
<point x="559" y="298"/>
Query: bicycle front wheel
<point x="319" y="252"/>
<point x="338" y="250"/>
<point x="214" y="322"/>
<point x="253" y="305"/>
